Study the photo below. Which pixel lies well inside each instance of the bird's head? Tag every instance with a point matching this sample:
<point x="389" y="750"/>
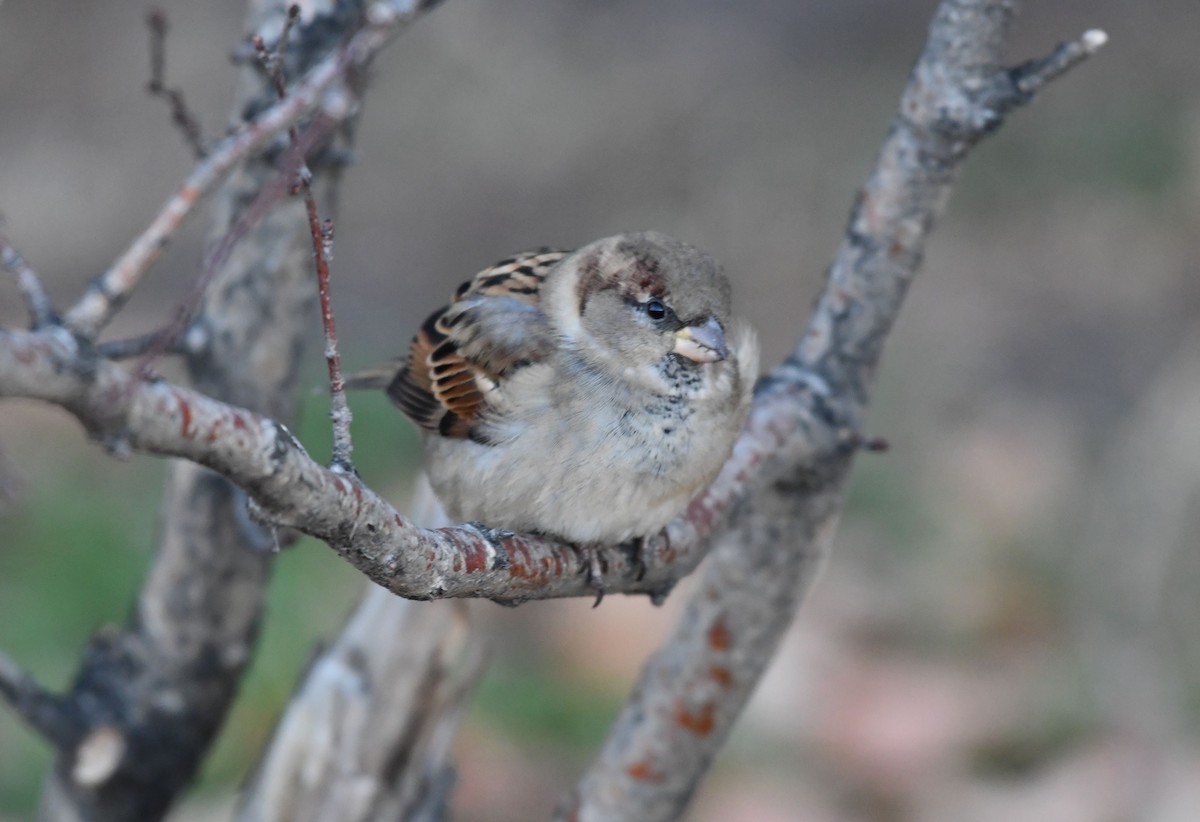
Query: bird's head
<point x="637" y="299"/>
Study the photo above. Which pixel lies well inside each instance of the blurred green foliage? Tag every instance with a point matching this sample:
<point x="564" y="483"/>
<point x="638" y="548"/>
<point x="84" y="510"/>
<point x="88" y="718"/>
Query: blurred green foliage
<point x="544" y="707"/>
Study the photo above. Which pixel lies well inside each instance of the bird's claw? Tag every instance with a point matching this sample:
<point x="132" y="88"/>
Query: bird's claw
<point x="594" y="561"/>
<point x="639" y="557"/>
<point x="493" y="536"/>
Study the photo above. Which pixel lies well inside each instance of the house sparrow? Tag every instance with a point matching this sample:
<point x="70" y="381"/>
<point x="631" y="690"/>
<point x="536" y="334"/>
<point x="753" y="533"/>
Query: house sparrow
<point x="587" y="395"/>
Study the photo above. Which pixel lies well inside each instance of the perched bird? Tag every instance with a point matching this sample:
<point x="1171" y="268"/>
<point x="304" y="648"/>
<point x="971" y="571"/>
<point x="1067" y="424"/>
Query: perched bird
<point x="586" y="395"/>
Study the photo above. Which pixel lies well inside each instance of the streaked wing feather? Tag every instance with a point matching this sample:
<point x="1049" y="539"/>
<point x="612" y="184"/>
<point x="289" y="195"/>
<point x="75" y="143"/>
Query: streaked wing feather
<point x="453" y="365"/>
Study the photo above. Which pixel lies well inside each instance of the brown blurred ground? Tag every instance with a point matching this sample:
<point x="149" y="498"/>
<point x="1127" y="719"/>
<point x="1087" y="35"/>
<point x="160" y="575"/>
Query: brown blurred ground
<point x="1007" y="628"/>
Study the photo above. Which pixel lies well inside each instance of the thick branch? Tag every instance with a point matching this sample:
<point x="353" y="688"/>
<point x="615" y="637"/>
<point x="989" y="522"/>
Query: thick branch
<point x="693" y="689"/>
<point x="367" y="734"/>
<point x="290" y="489"/>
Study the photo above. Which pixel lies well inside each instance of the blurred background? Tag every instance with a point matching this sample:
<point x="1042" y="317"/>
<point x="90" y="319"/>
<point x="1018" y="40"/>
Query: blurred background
<point x="1008" y="626"/>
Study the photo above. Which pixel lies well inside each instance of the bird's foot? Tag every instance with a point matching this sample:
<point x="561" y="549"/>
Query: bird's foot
<point x="494" y="536"/>
<point x="591" y="556"/>
<point x="638" y="545"/>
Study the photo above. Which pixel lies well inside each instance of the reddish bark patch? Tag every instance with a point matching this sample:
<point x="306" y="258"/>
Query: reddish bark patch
<point x="718" y="636"/>
<point x="700" y="514"/>
<point x="238" y="422"/>
<point x="701" y="722"/>
<point x="474" y="558"/>
<point x="519" y="564"/>
<point x="644" y="772"/>
<point x="214" y="432"/>
<point x="721" y="675"/>
<point x="185" y="417"/>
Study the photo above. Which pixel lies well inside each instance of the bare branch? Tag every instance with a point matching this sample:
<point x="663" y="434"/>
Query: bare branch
<point x="290" y="489"/>
<point x="41" y="310"/>
<point x="693" y="689"/>
<point x="171" y="339"/>
<point x="181" y="115"/>
<point x="163" y="341"/>
<point x="339" y="411"/>
<point x="165" y="680"/>
<point x="46" y="713"/>
<point x="272" y="59"/>
<point x="392" y="688"/>
<point x="109" y="291"/>
<point x="182" y="335"/>
<point x="322" y="245"/>
<point x="1031" y="77"/>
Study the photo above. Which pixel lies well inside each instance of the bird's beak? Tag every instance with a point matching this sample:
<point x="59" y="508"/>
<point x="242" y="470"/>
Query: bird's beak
<point x="702" y="343"/>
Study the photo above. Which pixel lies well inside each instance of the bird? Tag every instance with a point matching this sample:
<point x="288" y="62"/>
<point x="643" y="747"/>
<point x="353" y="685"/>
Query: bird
<point x="585" y="395"/>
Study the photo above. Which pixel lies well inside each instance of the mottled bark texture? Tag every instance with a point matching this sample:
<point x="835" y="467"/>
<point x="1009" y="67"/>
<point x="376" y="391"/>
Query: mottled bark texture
<point x="149" y="698"/>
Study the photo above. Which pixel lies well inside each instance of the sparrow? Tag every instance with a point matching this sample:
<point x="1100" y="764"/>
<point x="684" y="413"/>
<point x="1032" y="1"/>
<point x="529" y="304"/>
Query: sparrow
<point x="587" y="395"/>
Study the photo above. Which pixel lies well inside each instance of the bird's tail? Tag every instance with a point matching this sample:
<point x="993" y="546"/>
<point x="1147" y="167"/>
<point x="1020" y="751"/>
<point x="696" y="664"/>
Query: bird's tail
<point x="377" y="377"/>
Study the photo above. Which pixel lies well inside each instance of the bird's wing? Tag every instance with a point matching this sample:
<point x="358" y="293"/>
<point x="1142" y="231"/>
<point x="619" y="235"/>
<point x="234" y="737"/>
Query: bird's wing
<point x="464" y="351"/>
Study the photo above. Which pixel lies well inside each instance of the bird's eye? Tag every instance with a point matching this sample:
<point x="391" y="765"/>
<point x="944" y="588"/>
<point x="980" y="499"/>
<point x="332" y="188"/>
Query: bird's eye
<point x="655" y="310"/>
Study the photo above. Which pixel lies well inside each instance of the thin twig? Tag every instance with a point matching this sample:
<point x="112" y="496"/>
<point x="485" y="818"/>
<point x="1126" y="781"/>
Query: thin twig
<point x="41" y="310"/>
<point x="322" y="243"/>
<point x="165" y="340"/>
<point x="339" y="410"/>
<point x="181" y="115"/>
<point x="170" y="339"/>
<point x="108" y="292"/>
<point x="272" y="59"/>
<point x="1029" y="78"/>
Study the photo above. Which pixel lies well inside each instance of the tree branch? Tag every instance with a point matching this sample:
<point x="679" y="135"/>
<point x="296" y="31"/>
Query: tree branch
<point x="41" y="310"/>
<point x="319" y="88"/>
<point x="46" y="713"/>
<point x="289" y="488"/>
<point x="152" y="696"/>
<point x="181" y="115"/>
<point x="693" y="689"/>
<point x="367" y="734"/>
<point x="322" y="245"/>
